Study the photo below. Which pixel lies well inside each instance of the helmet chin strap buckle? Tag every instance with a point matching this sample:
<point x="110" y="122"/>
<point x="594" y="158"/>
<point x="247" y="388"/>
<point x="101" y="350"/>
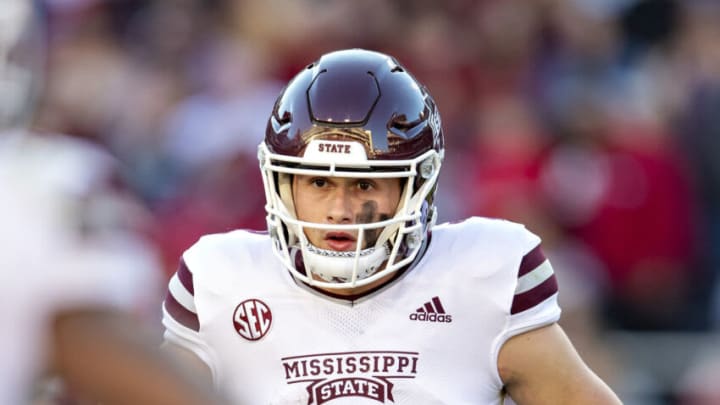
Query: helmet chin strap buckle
<point x="413" y="239"/>
<point x="427" y="168"/>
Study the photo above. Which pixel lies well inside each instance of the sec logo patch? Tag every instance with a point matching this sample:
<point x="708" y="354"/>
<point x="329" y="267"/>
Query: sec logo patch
<point x="252" y="319"/>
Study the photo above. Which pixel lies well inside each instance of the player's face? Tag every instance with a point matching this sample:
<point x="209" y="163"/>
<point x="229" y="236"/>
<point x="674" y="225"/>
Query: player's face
<point x="344" y="201"/>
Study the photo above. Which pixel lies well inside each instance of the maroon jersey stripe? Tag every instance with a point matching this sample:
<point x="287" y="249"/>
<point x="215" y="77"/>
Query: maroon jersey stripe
<point x="186" y="278"/>
<point x="531" y="260"/>
<point x="181" y="314"/>
<point x="530" y="298"/>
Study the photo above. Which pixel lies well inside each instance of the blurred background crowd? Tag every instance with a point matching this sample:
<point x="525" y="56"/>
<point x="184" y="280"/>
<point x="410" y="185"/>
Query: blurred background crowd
<point x="594" y="122"/>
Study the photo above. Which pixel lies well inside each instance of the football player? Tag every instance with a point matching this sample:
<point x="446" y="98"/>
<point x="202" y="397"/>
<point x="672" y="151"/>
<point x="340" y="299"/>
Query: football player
<point x="70" y="277"/>
<point x="354" y="295"/>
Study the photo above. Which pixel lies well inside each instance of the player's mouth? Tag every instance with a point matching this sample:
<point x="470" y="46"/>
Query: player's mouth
<point x="341" y="241"/>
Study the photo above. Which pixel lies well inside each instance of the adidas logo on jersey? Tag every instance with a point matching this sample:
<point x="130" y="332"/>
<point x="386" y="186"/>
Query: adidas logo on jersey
<point x="431" y="311"/>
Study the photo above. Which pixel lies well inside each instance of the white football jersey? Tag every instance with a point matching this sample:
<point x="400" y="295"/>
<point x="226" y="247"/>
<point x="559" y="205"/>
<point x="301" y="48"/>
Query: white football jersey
<point x="431" y="336"/>
<point x="47" y="264"/>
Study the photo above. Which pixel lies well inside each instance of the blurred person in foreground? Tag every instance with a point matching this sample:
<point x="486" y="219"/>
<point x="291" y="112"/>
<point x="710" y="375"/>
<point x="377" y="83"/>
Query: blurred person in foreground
<point x="72" y="280"/>
<point x="354" y="295"/>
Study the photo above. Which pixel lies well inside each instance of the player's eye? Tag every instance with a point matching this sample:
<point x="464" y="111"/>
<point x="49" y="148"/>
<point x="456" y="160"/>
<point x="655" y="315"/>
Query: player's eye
<point x="364" y="185"/>
<point x="318" y="182"/>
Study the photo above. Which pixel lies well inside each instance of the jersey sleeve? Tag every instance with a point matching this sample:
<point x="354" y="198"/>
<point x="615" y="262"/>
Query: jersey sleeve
<point x="180" y="317"/>
<point x="534" y="303"/>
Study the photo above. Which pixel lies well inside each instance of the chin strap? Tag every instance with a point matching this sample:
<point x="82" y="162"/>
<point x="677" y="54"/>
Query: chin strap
<point x="337" y="266"/>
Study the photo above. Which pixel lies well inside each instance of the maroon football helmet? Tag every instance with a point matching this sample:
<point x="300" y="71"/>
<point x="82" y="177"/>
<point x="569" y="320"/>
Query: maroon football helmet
<point x="353" y="113"/>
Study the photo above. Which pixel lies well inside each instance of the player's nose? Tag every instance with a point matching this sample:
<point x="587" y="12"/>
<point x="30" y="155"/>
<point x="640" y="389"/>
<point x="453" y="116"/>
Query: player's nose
<point x="340" y="210"/>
